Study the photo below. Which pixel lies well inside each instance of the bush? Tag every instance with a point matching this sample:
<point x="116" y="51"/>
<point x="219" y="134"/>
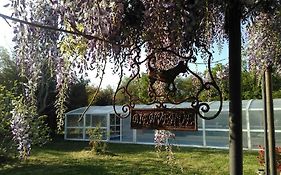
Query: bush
<point x="7" y="145"/>
<point x="28" y="127"/>
<point x="261" y="158"/>
<point x="20" y="126"/>
<point x="96" y="143"/>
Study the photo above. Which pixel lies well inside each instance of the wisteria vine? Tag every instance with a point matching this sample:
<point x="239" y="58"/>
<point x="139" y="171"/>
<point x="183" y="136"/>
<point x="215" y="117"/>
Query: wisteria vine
<point x="21" y="130"/>
<point x="264" y="47"/>
<point x="117" y="27"/>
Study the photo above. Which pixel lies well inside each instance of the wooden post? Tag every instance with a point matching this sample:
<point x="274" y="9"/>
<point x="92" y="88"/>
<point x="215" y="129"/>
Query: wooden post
<point x="270" y="122"/>
<point x="266" y="163"/>
<point x="235" y="105"/>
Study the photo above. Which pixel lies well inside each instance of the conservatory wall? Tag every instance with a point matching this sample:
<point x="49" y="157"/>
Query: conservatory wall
<point x="211" y="133"/>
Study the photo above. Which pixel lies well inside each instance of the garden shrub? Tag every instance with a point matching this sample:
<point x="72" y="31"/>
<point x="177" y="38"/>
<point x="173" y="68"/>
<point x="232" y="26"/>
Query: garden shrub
<point x="28" y="127"/>
<point x="20" y="126"/>
<point x="7" y="145"/>
<point x="95" y="137"/>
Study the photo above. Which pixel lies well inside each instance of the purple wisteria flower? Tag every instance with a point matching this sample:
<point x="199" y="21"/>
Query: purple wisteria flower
<point x="162" y="137"/>
<point x="20" y="128"/>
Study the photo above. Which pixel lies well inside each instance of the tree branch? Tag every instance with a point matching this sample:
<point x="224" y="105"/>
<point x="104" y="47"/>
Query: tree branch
<point x="251" y="9"/>
<point x="95" y="95"/>
<point x="89" y="37"/>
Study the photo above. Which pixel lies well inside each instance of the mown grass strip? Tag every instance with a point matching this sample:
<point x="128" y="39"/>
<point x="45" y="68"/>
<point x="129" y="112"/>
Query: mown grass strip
<point x="75" y="158"/>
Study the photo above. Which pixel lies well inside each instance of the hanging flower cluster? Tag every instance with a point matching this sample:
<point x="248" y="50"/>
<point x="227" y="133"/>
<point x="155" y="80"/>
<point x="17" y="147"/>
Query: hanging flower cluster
<point x="163" y="138"/>
<point x="20" y="131"/>
<point x="123" y="25"/>
<point x="164" y="148"/>
<point x="27" y="127"/>
<point x="223" y="73"/>
<point x="37" y="51"/>
<point x="264" y="47"/>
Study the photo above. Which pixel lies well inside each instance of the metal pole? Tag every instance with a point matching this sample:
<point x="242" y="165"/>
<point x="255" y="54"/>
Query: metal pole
<point x="270" y="122"/>
<point x="265" y="128"/>
<point x="235" y="106"/>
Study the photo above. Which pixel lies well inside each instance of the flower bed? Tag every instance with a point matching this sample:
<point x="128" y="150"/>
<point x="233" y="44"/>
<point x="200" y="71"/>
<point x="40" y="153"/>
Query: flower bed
<point x="261" y="158"/>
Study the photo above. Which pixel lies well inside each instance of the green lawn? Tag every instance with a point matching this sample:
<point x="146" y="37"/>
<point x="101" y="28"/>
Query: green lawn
<point x="74" y="158"/>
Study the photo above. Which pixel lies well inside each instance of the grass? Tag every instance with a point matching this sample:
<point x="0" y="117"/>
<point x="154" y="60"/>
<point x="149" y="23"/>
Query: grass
<point x="74" y="158"/>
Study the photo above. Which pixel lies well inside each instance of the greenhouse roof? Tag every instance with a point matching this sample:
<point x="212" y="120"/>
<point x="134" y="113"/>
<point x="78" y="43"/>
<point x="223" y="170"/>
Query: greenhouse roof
<point x="214" y="105"/>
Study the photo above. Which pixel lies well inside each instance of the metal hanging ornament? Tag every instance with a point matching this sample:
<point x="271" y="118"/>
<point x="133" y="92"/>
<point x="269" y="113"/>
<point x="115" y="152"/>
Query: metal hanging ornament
<point x="164" y="65"/>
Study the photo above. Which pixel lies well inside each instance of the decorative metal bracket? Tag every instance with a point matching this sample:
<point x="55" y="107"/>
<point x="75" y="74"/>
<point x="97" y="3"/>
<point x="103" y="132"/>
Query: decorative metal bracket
<point x="166" y="77"/>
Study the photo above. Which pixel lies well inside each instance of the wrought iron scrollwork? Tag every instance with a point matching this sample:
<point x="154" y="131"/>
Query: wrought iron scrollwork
<point x="167" y="77"/>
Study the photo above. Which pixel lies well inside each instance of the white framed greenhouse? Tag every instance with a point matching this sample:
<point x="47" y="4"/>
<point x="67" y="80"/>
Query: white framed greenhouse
<point x="211" y="133"/>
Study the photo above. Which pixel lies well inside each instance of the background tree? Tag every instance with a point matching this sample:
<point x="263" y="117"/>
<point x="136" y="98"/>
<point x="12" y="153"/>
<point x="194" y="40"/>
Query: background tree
<point x="137" y="88"/>
<point x="9" y="74"/>
<point x="103" y="98"/>
<point x="185" y="87"/>
<point x="78" y="95"/>
<point x="7" y="145"/>
<point x="276" y="81"/>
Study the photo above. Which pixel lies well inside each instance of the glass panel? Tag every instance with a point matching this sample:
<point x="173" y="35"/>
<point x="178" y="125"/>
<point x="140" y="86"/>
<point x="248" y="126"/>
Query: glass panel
<point x="145" y="135"/>
<point x="244" y="120"/>
<point x="74" y="133"/>
<point x="245" y="103"/>
<point x="257" y="138"/>
<point x="256" y="119"/>
<point x="188" y="138"/>
<point x="117" y="121"/>
<point x="72" y="121"/>
<point x="114" y="133"/>
<point x="277" y="102"/>
<point x="199" y="122"/>
<point x="88" y="120"/>
<point x="87" y="133"/>
<point x="217" y="138"/>
<point x="127" y="132"/>
<point x="112" y="128"/>
<point x="245" y="140"/>
<point x="256" y="104"/>
<point x="112" y="119"/>
<point x="278" y="138"/>
<point x="221" y="122"/>
<point x="99" y="119"/>
<point x="215" y="105"/>
<point x="115" y="137"/>
<point x="277" y="120"/>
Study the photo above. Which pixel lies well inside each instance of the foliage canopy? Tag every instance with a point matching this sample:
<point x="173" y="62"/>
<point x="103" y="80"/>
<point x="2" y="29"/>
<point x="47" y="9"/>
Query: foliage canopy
<point x="117" y="30"/>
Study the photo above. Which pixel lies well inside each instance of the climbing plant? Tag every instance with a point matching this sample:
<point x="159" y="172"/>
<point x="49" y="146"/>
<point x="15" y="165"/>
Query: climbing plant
<point x="76" y="36"/>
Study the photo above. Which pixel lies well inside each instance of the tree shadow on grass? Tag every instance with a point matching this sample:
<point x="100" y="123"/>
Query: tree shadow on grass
<point x="91" y="167"/>
<point x="56" y="170"/>
<point x="62" y="147"/>
<point x="130" y="148"/>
